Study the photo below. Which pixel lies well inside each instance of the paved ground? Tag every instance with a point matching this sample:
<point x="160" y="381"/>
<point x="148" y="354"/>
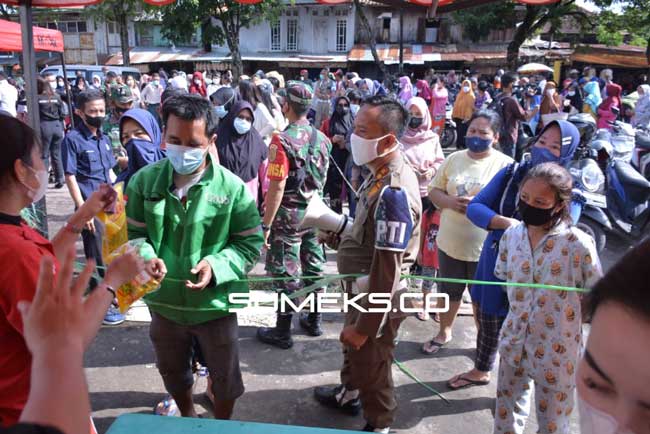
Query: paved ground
<point x="279" y="384"/>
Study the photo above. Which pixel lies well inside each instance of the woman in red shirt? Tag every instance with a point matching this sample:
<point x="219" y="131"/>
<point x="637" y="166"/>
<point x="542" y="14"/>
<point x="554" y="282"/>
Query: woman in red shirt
<point x="197" y="86"/>
<point x="23" y="180"/>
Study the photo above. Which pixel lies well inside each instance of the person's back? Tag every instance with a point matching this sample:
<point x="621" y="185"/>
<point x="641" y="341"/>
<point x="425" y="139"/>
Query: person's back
<point x="512" y="113"/>
<point x="8" y="96"/>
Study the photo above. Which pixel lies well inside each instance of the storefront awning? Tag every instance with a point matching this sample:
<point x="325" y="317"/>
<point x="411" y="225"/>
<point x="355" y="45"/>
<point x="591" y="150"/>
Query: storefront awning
<point x="624" y="56"/>
<point x="44" y="39"/>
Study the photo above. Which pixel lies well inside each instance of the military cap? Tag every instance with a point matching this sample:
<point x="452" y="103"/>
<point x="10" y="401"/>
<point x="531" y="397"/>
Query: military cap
<point x="299" y="92"/>
<point x="121" y="93"/>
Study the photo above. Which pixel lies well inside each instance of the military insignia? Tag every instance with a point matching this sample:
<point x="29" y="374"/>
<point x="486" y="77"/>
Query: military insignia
<point x="393" y="220"/>
<point x="273" y="151"/>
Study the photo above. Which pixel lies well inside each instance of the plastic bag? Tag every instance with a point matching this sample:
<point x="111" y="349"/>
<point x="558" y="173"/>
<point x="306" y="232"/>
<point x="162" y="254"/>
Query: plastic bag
<point x="141" y="285"/>
<point x="116" y="243"/>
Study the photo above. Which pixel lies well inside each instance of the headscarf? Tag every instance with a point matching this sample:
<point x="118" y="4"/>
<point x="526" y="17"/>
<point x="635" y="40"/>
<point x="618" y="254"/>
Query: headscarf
<point x="200" y="88"/>
<point x="379" y="88"/>
<point x="642" y="108"/>
<point x="613" y="97"/>
<point x="141" y="154"/>
<point x="547" y="105"/>
<point x="570" y="139"/>
<point x="575" y="100"/>
<point x="451" y="78"/>
<point x="241" y="154"/>
<point x="424" y="90"/>
<point x="371" y="86"/>
<point x="423" y="132"/>
<point x="341" y="124"/>
<point x="593" y="97"/>
<point x="406" y="89"/>
<point x="439" y="100"/>
<point x="464" y="105"/>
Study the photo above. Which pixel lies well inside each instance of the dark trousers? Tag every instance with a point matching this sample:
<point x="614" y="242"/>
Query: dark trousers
<point x="487" y="340"/>
<point x="461" y="132"/>
<point x="92" y="242"/>
<point x="51" y="138"/>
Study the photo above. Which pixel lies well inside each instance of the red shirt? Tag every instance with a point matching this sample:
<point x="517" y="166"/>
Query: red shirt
<point x="21" y="251"/>
<point x="278" y="169"/>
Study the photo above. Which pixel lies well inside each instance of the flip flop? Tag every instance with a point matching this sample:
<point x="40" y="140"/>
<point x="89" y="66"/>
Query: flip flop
<point x="436" y="347"/>
<point x="468" y="383"/>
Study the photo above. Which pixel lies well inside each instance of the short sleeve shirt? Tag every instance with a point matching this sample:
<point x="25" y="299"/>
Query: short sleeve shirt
<point x="542" y="330"/>
<point x="278" y="162"/>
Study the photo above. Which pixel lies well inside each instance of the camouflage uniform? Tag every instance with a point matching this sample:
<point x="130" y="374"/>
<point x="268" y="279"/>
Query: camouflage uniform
<point x="120" y="94"/>
<point x="299" y="155"/>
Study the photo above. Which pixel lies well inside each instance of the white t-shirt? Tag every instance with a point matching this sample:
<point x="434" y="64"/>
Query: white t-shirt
<point x="8" y="98"/>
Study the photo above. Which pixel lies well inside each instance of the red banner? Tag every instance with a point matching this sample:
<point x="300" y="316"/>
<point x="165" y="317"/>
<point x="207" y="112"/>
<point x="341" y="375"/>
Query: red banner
<point x="44" y="39"/>
<point x="54" y="3"/>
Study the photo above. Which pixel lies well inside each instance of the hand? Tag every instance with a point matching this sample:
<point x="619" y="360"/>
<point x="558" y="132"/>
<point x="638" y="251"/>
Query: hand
<point x="123" y="269"/>
<point x="330" y="239"/>
<point x="204" y="272"/>
<point x="460" y="204"/>
<point x="156" y="268"/>
<point x="350" y="337"/>
<point x="56" y="319"/>
<point x="267" y="234"/>
<point x="102" y="199"/>
<point x="90" y="225"/>
<point x="337" y="138"/>
<point x="513" y="222"/>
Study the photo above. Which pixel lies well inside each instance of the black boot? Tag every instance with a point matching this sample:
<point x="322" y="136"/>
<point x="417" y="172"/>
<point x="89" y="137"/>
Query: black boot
<point x="335" y="397"/>
<point x="280" y="335"/>
<point x="310" y="322"/>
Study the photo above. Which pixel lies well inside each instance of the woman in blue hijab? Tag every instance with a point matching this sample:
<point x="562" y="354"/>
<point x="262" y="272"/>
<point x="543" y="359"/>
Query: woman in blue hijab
<point x="495" y="209"/>
<point x="140" y="135"/>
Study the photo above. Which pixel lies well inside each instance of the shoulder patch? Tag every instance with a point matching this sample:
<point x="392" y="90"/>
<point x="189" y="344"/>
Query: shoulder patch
<point x="393" y="220"/>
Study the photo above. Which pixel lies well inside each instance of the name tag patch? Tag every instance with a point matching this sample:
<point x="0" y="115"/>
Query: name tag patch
<point x="393" y="220"/>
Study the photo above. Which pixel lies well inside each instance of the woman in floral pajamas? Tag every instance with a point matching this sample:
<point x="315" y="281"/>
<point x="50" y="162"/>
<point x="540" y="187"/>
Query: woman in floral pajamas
<point x="541" y="338"/>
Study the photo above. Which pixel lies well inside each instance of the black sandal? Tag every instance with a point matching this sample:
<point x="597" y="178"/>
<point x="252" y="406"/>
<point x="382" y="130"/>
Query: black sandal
<point x="468" y="383"/>
<point x="437" y="346"/>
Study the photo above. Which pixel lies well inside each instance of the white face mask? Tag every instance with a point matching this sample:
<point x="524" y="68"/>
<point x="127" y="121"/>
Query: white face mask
<point x="465" y="89"/>
<point x="550" y="92"/>
<point x="197" y="82"/>
<point x="242" y="126"/>
<point x="365" y="150"/>
<point x="36" y="194"/>
<point x="594" y="421"/>
<point x="53" y="85"/>
<point x="354" y="108"/>
<point x="208" y="81"/>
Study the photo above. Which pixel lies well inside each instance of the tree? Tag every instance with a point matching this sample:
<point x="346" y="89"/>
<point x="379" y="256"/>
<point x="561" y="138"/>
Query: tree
<point x="372" y="41"/>
<point x="119" y="12"/>
<point x="219" y="20"/>
<point x="629" y="23"/>
<point x="530" y="22"/>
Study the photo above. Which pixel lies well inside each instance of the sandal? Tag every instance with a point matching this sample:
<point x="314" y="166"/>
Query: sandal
<point x="468" y="383"/>
<point x="436" y="346"/>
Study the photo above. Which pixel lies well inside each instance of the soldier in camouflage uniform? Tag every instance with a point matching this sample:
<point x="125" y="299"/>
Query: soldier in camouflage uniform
<point x="298" y="162"/>
<point x="121" y="101"/>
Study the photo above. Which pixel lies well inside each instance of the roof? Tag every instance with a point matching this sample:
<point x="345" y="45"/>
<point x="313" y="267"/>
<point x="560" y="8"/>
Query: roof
<point x="625" y="56"/>
<point x="414" y="54"/>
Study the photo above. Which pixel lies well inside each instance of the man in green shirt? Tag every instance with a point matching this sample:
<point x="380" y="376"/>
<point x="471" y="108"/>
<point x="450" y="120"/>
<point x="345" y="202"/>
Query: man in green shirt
<point x="203" y="235"/>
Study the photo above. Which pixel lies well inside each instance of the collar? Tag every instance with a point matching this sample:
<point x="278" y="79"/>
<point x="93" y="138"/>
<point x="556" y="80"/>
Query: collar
<point x="85" y="131"/>
<point x="392" y="165"/>
<point x="556" y="230"/>
<point x="9" y="219"/>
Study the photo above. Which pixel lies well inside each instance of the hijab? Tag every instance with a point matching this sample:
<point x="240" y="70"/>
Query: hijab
<point x="141" y="152"/>
<point x="423" y="89"/>
<point x="200" y="88"/>
<point x="241" y="154"/>
<point x="613" y="97"/>
<point x="547" y="105"/>
<point x="593" y="97"/>
<point x="642" y="107"/>
<point x="570" y="139"/>
<point x="464" y="105"/>
<point x="423" y="132"/>
<point x="371" y="86"/>
<point x="341" y="124"/>
<point x="406" y="89"/>
<point x="379" y="89"/>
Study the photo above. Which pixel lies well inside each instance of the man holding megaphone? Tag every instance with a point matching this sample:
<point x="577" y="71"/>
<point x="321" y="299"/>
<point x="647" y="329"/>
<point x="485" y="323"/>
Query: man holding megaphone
<point x="382" y="244"/>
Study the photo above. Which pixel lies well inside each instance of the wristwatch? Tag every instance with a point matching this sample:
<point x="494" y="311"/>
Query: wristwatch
<point x="265" y="227"/>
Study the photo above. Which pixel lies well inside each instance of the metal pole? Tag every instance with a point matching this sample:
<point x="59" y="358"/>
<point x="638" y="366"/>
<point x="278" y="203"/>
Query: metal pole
<point x="401" y="40"/>
<point x="67" y="89"/>
<point x="31" y="92"/>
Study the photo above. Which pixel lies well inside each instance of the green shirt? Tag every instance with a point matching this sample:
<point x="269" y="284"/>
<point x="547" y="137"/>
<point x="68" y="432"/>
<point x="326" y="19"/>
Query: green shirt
<point x="219" y="223"/>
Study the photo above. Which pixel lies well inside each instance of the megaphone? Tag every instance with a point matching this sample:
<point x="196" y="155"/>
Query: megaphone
<point x="320" y="216"/>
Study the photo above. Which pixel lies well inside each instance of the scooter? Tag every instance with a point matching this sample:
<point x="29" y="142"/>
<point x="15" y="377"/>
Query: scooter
<point x="447" y="130"/>
<point x="641" y="155"/>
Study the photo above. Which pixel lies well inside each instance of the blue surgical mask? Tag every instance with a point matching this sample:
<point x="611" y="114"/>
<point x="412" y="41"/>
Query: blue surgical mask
<point x="539" y="155"/>
<point x="185" y="159"/>
<point x="477" y="144"/>
<point x="242" y="126"/>
<point x="221" y="111"/>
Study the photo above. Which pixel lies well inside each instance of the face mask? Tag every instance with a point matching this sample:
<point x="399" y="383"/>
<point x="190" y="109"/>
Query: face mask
<point x="465" y="89"/>
<point x="94" y="121"/>
<point x="322" y="77"/>
<point x="208" y="81"/>
<point x="36" y="194"/>
<point x="120" y="111"/>
<point x="60" y="84"/>
<point x="594" y="421"/>
<point x="156" y="82"/>
<point x="477" y="144"/>
<point x="550" y="92"/>
<point x="242" y="126"/>
<point x="415" y="123"/>
<point x="354" y="108"/>
<point x="571" y="93"/>
<point x="221" y="111"/>
<point x="539" y="155"/>
<point x="534" y="216"/>
<point x="53" y="84"/>
<point x="185" y="159"/>
<point x="342" y="110"/>
<point x="365" y="150"/>
<point x="197" y="82"/>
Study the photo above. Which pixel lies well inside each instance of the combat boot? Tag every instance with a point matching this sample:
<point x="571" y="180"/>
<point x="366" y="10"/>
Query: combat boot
<point x="310" y="322"/>
<point x="280" y="335"/>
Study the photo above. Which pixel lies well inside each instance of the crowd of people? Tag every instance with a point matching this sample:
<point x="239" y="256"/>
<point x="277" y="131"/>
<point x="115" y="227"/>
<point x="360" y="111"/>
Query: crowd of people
<point x="216" y="169"/>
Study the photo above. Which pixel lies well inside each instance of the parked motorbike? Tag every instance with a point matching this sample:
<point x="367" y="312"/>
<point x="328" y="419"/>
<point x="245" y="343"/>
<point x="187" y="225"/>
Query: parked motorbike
<point x="448" y="134"/>
<point x="641" y="155"/>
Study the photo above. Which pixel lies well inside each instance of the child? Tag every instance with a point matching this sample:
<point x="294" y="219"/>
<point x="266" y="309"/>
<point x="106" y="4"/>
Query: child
<point x="541" y="338"/>
<point x="428" y="256"/>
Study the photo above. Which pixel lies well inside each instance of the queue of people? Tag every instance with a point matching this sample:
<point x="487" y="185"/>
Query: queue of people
<point x="234" y="170"/>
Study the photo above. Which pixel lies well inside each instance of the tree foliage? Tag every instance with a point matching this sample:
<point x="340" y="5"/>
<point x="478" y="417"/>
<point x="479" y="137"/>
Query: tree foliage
<point x="625" y="21"/>
<point x="477" y="22"/>
<point x="219" y="20"/>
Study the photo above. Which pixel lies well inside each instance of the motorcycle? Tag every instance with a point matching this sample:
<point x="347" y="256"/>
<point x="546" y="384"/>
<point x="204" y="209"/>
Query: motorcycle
<point x="446" y="128"/>
<point x="641" y="155"/>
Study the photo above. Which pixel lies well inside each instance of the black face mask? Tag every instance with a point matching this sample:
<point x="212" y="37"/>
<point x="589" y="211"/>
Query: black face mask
<point x="534" y="216"/>
<point x="120" y="111"/>
<point x="415" y="123"/>
<point x="342" y="110"/>
<point x="94" y="121"/>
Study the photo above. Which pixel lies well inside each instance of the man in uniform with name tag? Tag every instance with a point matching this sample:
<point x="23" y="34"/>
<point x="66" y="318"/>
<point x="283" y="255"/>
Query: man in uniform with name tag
<point x="382" y="244"/>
